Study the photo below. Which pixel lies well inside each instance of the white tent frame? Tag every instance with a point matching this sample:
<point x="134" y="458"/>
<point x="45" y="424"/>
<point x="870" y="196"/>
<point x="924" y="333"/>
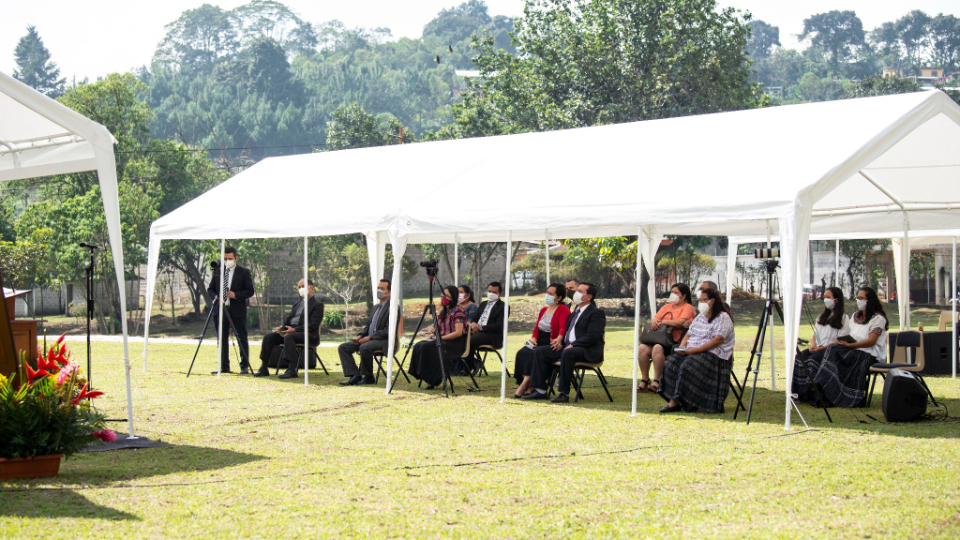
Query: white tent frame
<point x="866" y="130"/>
<point x="61" y="141"/>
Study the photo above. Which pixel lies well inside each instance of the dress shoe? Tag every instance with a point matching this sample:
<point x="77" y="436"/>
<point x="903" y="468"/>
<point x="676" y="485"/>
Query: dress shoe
<point x="367" y="380"/>
<point x="244" y="370"/>
<point x="224" y="371"/>
<point x="669" y="409"/>
<point x="288" y="375"/>
<point x="352" y="381"/>
<point x="690" y="408"/>
<point x="262" y="372"/>
<point x="561" y="398"/>
<point x="536" y="395"/>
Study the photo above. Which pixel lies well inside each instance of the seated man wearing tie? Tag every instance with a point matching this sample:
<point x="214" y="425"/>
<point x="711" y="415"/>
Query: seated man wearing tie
<point x="290" y="333"/>
<point x="374" y="337"/>
<point x="582" y="342"/>
<point x="487" y="326"/>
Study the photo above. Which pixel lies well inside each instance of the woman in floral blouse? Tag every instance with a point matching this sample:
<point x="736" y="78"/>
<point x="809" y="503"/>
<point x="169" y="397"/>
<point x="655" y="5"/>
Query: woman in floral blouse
<point x="697" y="374"/>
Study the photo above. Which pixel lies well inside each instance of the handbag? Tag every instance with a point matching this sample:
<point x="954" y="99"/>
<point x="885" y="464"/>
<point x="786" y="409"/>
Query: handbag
<point x="662" y="336"/>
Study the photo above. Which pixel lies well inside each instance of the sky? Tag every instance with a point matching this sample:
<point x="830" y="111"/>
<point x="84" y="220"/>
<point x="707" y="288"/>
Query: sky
<point x="98" y="37"/>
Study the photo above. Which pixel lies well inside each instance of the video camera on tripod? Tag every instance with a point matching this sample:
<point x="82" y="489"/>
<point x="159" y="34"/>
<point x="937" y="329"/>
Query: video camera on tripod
<point x="770" y="256"/>
<point x="431" y="266"/>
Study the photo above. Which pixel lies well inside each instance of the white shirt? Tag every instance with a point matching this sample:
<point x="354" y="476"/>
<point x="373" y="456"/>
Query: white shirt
<point x="826" y="334"/>
<point x="861" y="332"/>
<point x="228" y="277"/>
<point x="573" y="324"/>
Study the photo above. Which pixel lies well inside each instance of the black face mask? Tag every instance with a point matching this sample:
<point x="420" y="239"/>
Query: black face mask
<point x="571" y="293"/>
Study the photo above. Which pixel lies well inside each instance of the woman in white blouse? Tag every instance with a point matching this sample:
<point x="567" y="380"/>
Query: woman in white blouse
<point x="832" y="324"/>
<point x="842" y="378"/>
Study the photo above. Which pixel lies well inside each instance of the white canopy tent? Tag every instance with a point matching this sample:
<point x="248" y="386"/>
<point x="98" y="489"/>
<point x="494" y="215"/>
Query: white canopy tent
<point x="833" y="167"/>
<point x="41" y="137"/>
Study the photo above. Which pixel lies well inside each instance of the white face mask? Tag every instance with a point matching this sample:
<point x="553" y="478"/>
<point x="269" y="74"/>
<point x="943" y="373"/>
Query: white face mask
<point x="673" y="298"/>
<point x="577" y="298"/>
<point x="861" y="304"/>
<point x="549" y="299"/>
<point x="303" y="292"/>
<point x="229" y="264"/>
<point x="381" y="293"/>
<point x="829" y="303"/>
<point x="703" y="308"/>
<point x="493" y="297"/>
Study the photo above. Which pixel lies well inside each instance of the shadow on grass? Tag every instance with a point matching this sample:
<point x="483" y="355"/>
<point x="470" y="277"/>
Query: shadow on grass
<point x="62" y="503"/>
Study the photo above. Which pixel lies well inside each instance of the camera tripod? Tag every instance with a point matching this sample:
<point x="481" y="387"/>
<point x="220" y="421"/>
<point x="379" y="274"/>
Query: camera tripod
<point x="203" y="333"/>
<point x="770" y="306"/>
<point x="432" y="310"/>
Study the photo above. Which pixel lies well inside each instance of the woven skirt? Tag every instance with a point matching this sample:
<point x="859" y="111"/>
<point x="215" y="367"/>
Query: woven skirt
<point x="843" y="375"/>
<point x="805" y="366"/>
<point x="702" y="380"/>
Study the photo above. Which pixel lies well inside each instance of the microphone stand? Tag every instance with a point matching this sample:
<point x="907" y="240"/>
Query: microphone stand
<point x="90" y="305"/>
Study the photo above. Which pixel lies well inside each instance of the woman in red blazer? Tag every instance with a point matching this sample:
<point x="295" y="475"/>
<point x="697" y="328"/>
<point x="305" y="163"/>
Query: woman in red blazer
<point x="551" y="325"/>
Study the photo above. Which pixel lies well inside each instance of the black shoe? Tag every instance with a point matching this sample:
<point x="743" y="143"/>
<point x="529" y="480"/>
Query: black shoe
<point x="223" y="371"/>
<point x="367" y="380"/>
<point x="262" y="372"/>
<point x="690" y="408"/>
<point x="352" y="381"/>
<point x="669" y="409"/>
<point x="244" y="370"/>
<point x="536" y="395"/>
<point x="288" y="375"/>
<point x="561" y="398"/>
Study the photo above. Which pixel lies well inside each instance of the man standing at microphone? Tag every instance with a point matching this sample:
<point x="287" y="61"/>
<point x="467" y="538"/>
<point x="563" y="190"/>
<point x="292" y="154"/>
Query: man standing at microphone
<point x="237" y="289"/>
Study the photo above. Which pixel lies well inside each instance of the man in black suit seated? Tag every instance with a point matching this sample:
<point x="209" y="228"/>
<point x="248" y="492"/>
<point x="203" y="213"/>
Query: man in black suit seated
<point x="290" y="333"/>
<point x="487" y="325"/>
<point x="374" y="337"/>
<point x="239" y="289"/>
<point x="583" y="342"/>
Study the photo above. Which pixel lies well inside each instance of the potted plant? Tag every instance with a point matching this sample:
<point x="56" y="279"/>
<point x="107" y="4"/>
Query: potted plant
<point x="46" y="415"/>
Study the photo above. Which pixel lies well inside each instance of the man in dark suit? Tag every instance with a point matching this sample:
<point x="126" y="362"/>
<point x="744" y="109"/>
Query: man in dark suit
<point x="487" y="326"/>
<point x="238" y="290"/>
<point x="290" y="333"/>
<point x="374" y="337"/>
<point x="583" y="342"/>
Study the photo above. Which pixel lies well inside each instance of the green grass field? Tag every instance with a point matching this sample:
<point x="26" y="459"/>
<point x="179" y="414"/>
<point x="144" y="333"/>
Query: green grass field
<point x="257" y="458"/>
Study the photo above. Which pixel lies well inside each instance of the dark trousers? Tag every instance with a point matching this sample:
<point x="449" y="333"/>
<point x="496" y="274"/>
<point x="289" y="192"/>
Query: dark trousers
<point x="348" y="349"/>
<point x="543" y="366"/>
<point x="289" y="342"/>
<point x="486" y="338"/>
<point x="240" y="323"/>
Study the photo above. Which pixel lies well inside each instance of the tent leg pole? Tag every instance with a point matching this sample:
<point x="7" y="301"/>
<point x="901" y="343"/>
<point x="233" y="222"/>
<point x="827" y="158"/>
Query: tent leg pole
<point x="636" y="322"/>
<point x="223" y="244"/>
<point x="306" y="316"/>
<point x="953" y="309"/>
<point x="506" y="318"/>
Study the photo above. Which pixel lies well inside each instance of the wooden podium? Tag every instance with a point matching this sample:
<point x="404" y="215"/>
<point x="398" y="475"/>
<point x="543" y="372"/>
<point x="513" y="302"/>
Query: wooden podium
<point x="22" y="332"/>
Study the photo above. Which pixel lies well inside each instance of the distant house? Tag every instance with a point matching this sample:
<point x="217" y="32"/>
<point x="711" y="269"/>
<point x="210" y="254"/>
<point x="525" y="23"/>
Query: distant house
<point x="927" y="77"/>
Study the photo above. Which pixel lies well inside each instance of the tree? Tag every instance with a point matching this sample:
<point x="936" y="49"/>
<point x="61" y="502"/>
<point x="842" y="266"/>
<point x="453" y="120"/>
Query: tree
<point x="886" y="41"/>
<point x="353" y="127"/>
<point x="7" y="231"/>
<point x="763" y="38"/>
<point x="856" y="253"/>
<point x="590" y="62"/>
<point x="199" y="39"/>
<point x="837" y="32"/>
<point x="912" y="29"/>
<point x="945" y="42"/>
<point x="34" y="67"/>
<point x="879" y="85"/>
<point x="813" y="88"/>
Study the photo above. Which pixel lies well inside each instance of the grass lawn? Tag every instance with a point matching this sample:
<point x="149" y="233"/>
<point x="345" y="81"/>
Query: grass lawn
<point x="268" y="458"/>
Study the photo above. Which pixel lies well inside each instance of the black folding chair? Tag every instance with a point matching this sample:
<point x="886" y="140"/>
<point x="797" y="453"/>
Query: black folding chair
<point x="380" y="356"/>
<point x="909" y="340"/>
<point x="314" y="356"/>
<point x="482" y="361"/>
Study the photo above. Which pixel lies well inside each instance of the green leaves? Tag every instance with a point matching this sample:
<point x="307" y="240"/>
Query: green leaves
<point x="34" y="67"/>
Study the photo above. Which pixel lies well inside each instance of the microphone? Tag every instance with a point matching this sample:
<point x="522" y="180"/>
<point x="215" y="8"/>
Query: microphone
<point x="89" y="246"/>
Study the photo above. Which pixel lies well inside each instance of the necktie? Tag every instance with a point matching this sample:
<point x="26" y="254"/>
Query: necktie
<point x="226" y="288"/>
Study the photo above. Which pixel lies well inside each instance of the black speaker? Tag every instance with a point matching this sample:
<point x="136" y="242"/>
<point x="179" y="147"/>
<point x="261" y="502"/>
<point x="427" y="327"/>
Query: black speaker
<point x="904" y="398"/>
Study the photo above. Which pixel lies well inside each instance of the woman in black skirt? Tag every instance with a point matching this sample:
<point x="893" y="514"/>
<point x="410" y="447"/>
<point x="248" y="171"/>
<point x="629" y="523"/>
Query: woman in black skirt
<point x="425" y="361"/>
<point x="549" y="331"/>
<point x="697" y="374"/>
<point x="833" y="323"/>
<point x="842" y="379"/>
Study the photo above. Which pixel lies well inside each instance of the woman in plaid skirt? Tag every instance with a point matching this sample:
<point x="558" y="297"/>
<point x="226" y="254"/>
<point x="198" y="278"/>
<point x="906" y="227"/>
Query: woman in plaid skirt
<point x="842" y="378"/>
<point x="833" y="323"/>
<point x="697" y="374"/>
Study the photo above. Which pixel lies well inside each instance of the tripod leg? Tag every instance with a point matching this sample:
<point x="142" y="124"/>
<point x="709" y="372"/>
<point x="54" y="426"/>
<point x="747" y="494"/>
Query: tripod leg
<point x="409" y="346"/>
<point x="202" y="334"/>
<point x="759" y="354"/>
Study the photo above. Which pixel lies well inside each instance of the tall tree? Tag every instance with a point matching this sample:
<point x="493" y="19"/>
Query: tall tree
<point x="838" y="32"/>
<point x="879" y="85"/>
<point x="200" y="38"/>
<point x="763" y="38"/>
<point x="945" y="42"/>
<point x="34" y="67"/>
<point x="913" y="30"/>
<point x="353" y="127"/>
<point x="590" y="62"/>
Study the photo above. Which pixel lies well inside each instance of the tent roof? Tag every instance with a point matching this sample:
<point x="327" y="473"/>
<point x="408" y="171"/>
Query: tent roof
<point x="719" y="174"/>
<point x="41" y="137"/>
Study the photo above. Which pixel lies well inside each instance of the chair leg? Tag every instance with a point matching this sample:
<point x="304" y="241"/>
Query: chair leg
<point x="400" y="367"/>
<point x="927" y="388"/>
<point x="552" y="381"/>
<point x="603" y="381"/>
<point x="483" y="364"/>
<point x="379" y="360"/>
<point x="320" y="361"/>
<point x="873" y="385"/>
